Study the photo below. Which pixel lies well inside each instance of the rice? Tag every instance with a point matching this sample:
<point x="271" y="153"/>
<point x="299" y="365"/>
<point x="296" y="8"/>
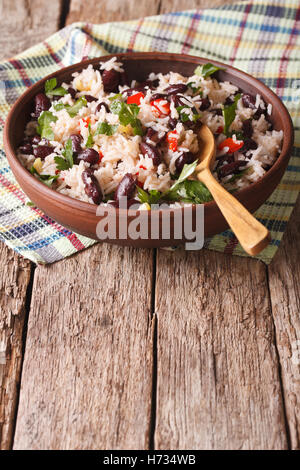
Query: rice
<point x="166" y="124"/>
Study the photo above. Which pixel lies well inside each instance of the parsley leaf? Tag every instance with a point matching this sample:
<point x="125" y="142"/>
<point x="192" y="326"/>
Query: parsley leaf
<point x="51" y="90"/>
<point x="195" y="89"/>
<point x="151" y="197"/>
<point x="105" y="128"/>
<point x="66" y="162"/>
<point x="48" y="180"/>
<point x="44" y="129"/>
<point x="187" y="171"/>
<point x="229" y="114"/>
<point x="190" y="191"/>
<point x="185" y="117"/>
<point x="72" y="110"/>
<point x="127" y="115"/>
<point x="116" y="97"/>
<point x="90" y="139"/>
<point x="80" y="103"/>
<point x="207" y="69"/>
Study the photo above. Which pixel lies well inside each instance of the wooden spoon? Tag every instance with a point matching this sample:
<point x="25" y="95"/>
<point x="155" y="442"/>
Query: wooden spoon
<point x="251" y="234"/>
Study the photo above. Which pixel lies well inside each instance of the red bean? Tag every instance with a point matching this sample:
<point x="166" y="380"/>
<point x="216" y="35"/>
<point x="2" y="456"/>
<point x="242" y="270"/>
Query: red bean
<point x="247" y="128"/>
<point x="230" y="168"/>
<point x="91" y="186"/>
<point x="89" y="155"/>
<point x="26" y="149"/>
<point x="172" y="123"/>
<point x="111" y="80"/>
<point x="175" y="89"/>
<point x="249" y="144"/>
<point x="248" y="100"/>
<point x="76" y="142"/>
<point x="152" y="135"/>
<point x="158" y="96"/>
<point x="151" y="152"/>
<point x="184" y="158"/>
<point x="204" y="104"/>
<point x="104" y="105"/>
<point x="41" y="103"/>
<point x="90" y="98"/>
<point x="180" y="100"/>
<point x="72" y="92"/>
<point x="229" y="158"/>
<point x="42" y="151"/>
<point x="35" y="140"/>
<point x="126" y="187"/>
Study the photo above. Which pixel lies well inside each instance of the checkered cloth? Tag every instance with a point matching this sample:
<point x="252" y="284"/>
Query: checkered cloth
<point x="261" y="38"/>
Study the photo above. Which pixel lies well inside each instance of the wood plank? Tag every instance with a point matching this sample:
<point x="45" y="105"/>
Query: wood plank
<point x="14" y="281"/>
<point x="23" y="23"/>
<point x="217" y="370"/>
<point x="284" y="279"/>
<point x="87" y="373"/>
<point x="177" y="5"/>
<point x="118" y="10"/>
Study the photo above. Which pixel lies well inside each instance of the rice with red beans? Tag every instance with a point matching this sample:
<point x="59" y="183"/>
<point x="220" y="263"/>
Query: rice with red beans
<point x="97" y="137"/>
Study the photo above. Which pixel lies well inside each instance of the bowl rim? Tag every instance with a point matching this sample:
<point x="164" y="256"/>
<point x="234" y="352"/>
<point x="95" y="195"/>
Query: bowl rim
<point x="288" y="137"/>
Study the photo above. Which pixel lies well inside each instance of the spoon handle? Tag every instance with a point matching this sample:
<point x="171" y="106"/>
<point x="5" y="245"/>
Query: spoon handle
<point x="252" y="235"/>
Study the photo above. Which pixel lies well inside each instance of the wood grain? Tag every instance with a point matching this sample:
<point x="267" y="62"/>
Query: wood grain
<point x="117" y="10"/>
<point x="284" y="277"/>
<point x="177" y="5"/>
<point x="25" y="23"/>
<point x="217" y="371"/>
<point x="87" y="374"/>
<point x="14" y="280"/>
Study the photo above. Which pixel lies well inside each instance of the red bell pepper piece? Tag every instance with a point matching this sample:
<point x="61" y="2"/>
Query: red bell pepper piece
<point x="233" y="146"/>
<point x="135" y="99"/>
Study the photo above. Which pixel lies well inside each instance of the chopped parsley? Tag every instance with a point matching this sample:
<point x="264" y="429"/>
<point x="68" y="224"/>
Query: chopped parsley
<point x="229" y="113"/>
<point x="105" y="128"/>
<point x="65" y="162"/>
<point x="51" y="90"/>
<point x="44" y="129"/>
<point x="90" y="139"/>
<point x="74" y="109"/>
<point x="206" y="70"/>
<point x="127" y="115"/>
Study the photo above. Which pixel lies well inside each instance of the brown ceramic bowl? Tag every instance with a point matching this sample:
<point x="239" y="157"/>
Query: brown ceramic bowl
<point x="81" y="216"/>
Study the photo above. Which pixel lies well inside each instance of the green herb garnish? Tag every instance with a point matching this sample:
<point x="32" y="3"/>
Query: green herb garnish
<point x="66" y="162"/>
<point x="46" y="179"/>
<point x="72" y="110"/>
<point x="206" y="70"/>
<point x="190" y="191"/>
<point x="195" y="89"/>
<point x="90" y="139"/>
<point x="229" y="112"/>
<point x="187" y="171"/>
<point x="51" y="90"/>
<point x="44" y="129"/>
<point x="127" y="115"/>
<point x="105" y="128"/>
<point x="185" y="117"/>
<point x="116" y="97"/>
<point x="150" y="197"/>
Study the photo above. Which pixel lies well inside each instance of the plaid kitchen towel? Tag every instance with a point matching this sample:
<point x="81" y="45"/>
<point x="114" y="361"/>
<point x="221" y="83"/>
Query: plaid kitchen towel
<point x="260" y="37"/>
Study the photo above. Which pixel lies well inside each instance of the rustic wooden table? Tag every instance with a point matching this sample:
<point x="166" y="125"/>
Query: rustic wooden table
<point x="121" y="348"/>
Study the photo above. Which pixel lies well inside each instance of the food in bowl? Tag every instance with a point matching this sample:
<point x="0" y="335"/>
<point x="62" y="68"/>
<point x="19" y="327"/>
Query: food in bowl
<point x="99" y="138"/>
